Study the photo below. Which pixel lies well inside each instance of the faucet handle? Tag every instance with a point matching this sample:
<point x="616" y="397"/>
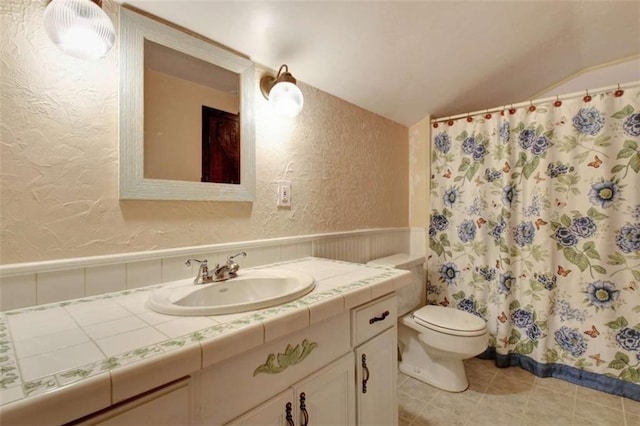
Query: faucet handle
<point x="203" y="271"/>
<point x="242" y="254"/>
<point x="233" y="266"/>
<point x="203" y="262"/>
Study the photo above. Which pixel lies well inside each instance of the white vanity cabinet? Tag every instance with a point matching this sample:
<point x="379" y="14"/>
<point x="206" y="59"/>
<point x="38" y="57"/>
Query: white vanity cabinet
<point x="375" y="341"/>
<point x="167" y="405"/>
<point x="323" y="386"/>
<point x="324" y="398"/>
<point x="235" y="386"/>
<point x="376" y="381"/>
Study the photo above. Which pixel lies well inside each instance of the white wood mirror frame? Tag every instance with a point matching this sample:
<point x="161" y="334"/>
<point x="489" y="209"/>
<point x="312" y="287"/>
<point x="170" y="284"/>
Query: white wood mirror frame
<point x="134" y="29"/>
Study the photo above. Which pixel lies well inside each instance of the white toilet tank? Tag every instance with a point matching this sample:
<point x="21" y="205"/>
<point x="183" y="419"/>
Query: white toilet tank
<point x="415" y="294"/>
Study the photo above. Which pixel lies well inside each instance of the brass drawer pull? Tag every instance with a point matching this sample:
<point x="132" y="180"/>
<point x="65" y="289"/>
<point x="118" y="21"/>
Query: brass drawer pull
<point x="382" y="317"/>
<point x="289" y="416"/>
<point x="365" y="379"/>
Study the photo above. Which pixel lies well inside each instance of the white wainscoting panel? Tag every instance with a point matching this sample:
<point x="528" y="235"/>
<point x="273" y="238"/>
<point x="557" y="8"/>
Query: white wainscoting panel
<point x="28" y="284"/>
<point x="59" y="285"/>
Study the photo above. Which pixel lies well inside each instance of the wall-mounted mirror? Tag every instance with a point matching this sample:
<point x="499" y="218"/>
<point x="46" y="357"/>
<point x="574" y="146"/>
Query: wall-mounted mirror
<point x="186" y="116"/>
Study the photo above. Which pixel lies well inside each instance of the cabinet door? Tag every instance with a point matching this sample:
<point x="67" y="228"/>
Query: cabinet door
<point x="328" y="396"/>
<point x="278" y="411"/>
<point x="168" y="405"/>
<point x="376" y="367"/>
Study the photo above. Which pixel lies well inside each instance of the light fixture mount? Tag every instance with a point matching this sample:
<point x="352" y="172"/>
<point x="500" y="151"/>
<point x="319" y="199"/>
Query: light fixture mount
<point x="283" y="94"/>
<point x="267" y="82"/>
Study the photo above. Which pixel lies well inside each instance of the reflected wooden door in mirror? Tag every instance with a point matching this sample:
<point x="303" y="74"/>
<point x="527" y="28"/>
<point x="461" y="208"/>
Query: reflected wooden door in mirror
<point x="220" y="146"/>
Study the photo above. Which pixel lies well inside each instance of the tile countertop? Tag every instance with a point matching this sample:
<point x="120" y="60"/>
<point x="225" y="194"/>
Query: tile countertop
<point x="100" y="350"/>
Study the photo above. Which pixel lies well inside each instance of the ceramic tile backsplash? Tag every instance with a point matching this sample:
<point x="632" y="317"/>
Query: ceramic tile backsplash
<point x="174" y="268"/>
<point x="105" y="279"/>
<point x="271" y="254"/>
<point x="59" y="285"/>
<point x="140" y="274"/>
<point x="17" y="292"/>
<point x="86" y="277"/>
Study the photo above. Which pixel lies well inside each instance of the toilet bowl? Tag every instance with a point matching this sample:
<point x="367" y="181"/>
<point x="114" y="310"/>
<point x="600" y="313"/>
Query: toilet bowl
<point x="433" y="340"/>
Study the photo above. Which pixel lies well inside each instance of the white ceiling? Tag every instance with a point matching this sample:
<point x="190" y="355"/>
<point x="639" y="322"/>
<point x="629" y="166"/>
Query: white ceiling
<point x="405" y="60"/>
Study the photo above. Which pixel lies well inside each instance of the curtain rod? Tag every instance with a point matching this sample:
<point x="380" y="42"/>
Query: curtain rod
<point x="539" y="101"/>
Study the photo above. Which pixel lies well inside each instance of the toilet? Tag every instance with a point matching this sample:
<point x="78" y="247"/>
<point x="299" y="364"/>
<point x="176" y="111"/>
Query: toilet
<point x="433" y="340"/>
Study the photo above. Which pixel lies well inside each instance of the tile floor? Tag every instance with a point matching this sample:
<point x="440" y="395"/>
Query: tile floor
<point x="511" y="396"/>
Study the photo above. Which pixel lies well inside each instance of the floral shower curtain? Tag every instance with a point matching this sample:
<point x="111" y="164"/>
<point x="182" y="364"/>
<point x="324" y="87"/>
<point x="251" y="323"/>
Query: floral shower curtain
<point x="535" y="227"/>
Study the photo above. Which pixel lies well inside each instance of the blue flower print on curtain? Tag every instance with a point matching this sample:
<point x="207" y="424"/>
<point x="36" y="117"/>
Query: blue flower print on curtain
<point x="535" y="227"/>
<point x="588" y="121"/>
<point x="631" y="125"/>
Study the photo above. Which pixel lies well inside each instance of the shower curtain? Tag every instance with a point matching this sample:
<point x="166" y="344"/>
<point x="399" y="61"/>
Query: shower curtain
<point x="535" y="227"/>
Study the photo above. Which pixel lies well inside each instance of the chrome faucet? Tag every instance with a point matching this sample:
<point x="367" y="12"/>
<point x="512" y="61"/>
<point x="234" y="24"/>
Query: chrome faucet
<point x="219" y="273"/>
<point x="204" y="276"/>
<point x="229" y="269"/>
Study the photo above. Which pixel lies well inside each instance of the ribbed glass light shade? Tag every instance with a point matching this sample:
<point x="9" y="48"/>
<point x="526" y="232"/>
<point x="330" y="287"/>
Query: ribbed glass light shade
<point x="286" y="99"/>
<point x="80" y="28"/>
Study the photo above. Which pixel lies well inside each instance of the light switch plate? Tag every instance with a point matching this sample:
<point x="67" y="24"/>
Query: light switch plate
<point x="284" y="193"/>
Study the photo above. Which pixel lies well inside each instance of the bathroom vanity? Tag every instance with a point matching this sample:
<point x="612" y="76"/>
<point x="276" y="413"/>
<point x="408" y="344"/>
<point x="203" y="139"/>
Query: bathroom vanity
<point x="328" y="357"/>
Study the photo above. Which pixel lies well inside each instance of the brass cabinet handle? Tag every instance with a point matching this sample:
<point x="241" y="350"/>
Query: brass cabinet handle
<point x="289" y="416"/>
<point x="382" y="317"/>
<point x="365" y="379"/>
<point x="303" y="409"/>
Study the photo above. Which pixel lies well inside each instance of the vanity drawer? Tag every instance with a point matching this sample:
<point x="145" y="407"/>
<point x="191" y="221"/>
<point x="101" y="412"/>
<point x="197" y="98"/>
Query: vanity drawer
<point x="238" y="384"/>
<point x="373" y="318"/>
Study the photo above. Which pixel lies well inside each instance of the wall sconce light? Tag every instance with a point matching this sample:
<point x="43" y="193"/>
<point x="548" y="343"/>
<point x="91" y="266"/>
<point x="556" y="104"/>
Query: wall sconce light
<point x="283" y="94"/>
<point x="79" y="28"/>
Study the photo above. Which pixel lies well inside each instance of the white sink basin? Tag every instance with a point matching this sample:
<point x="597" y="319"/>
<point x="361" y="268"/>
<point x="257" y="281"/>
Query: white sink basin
<point x="253" y="289"/>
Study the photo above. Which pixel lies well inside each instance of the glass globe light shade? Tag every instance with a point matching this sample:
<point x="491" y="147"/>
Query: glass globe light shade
<point x="79" y="28"/>
<point x="286" y="99"/>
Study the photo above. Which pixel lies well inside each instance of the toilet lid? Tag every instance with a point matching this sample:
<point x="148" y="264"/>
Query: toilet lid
<point x="450" y="319"/>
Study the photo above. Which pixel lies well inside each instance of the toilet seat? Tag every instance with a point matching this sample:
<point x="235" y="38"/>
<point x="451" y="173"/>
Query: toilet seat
<point x="449" y="321"/>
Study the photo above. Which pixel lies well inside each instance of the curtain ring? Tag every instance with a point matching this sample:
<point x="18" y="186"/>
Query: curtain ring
<point x="512" y="110"/>
<point x="558" y="102"/>
<point x="469" y="119"/>
<point x="532" y="107"/>
<point x="587" y="98"/>
<point x="618" y="92"/>
<point x="487" y="115"/>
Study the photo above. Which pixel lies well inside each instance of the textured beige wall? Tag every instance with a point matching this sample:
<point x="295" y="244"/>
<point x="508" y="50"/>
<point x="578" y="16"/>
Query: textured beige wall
<point x="419" y="173"/>
<point x="59" y="162"/>
<point x="173" y="124"/>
